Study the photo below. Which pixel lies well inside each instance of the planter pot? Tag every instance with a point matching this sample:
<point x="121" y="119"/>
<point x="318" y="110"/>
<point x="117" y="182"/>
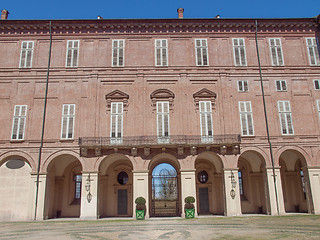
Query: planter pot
<point x="189" y="213"/>
<point x="139" y="214"/>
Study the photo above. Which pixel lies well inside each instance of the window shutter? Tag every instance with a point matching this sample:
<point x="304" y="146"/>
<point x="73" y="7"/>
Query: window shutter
<point x="67" y="123"/>
<point x="19" y="120"/>
<point x="116" y="124"/>
<point x="285" y="117"/>
<point x="246" y="120"/>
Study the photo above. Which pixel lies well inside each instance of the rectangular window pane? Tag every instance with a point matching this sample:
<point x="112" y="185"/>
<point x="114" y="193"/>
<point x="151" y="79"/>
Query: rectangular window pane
<point x="243" y="86"/>
<point x="161" y="52"/>
<point x="276" y="51"/>
<point x="205" y="111"/>
<point x="201" y="51"/>
<point x="117" y="53"/>
<point x="19" y="121"/>
<point x="239" y="52"/>
<point x="72" y="53"/>
<point x="26" y="54"/>
<point x="285" y="117"/>
<point x="163" y="122"/>
<point x="67" y="122"/>
<point x="313" y="51"/>
<point x="116" y="125"/>
<point x="246" y="120"/>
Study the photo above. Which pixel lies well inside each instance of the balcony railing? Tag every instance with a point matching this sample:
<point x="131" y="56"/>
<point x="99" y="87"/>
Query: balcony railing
<point x="139" y="141"/>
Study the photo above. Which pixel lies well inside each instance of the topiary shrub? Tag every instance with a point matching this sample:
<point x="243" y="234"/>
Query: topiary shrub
<point x="189" y="202"/>
<point x="140" y="203"/>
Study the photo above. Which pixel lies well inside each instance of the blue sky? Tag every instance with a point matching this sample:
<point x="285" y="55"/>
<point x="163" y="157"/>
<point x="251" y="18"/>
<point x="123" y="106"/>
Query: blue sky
<point x="71" y="9"/>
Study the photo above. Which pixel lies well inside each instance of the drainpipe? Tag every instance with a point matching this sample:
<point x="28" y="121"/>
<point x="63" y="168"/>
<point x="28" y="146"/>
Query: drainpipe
<point x="43" y="124"/>
<point x="266" y="119"/>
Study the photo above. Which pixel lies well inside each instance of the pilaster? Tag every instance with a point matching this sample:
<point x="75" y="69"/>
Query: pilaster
<point x="188" y="188"/>
<point x="232" y="192"/>
<point x="89" y="196"/>
<point x="314" y="179"/>
<point x="40" y="211"/>
<point x="141" y="189"/>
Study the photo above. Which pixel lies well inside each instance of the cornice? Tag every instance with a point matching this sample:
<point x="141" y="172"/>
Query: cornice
<point x="128" y="26"/>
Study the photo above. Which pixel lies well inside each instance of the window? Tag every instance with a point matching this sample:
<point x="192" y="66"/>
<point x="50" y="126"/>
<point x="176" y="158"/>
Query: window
<point x="117" y="53"/>
<point x="26" y="54"/>
<point x="161" y="52"/>
<point x="72" y="53"/>
<point x="203" y="177"/>
<point x="19" y="122"/>
<point x="116" y="122"/>
<point x="276" y="51"/>
<point x="201" y="52"/>
<point x="316" y="84"/>
<point x="163" y="122"/>
<point x="281" y="86"/>
<point x="78" y="182"/>
<point x="239" y="52"/>
<point x="246" y="120"/>
<point x="318" y="107"/>
<point x="243" y="86"/>
<point x="285" y="117"/>
<point x="303" y="184"/>
<point x="240" y="183"/>
<point x="122" y="178"/>
<point x="206" y="121"/>
<point x="67" y="123"/>
<point x="313" y="51"/>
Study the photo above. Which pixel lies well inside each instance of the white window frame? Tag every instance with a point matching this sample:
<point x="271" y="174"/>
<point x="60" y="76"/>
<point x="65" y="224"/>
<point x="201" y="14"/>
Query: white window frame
<point x="73" y="53"/>
<point x="285" y="117"/>
<point x="316" y="84"/>
<point x="70" y="118"/>
<point x="163" y="136"/>
<point x="318" y="107"/>
<point x="161" y="51"/>
<point x="203" y="49"/>
<point x="239" y="49"/>
<point x="243" y="86"/>
<point x="206" y="124"/>
<point x="116" y="52"/>
<point x="246" y="117"/>
<point x="19" y="122"/>
<point x="276" y="52"/>
<point x="312" y="49"/>
<point x="26" y="53"/>
<point x="281" y="85"/>
<point x="116" y="119"/>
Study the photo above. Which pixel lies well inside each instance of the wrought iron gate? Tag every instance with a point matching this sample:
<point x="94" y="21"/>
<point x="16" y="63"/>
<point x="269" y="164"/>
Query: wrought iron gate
<point x="165" y="197"/>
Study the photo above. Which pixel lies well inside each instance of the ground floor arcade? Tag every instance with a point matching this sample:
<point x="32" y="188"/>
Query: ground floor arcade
<point x="90" y="187"/>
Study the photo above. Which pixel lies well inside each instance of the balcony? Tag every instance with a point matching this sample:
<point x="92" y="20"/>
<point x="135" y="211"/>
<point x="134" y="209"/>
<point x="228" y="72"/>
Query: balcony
<point x="174" y="141"/>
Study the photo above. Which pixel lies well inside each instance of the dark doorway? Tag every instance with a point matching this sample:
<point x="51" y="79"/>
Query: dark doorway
<point x="122" y="202"/>
<point x="203" y="200"/>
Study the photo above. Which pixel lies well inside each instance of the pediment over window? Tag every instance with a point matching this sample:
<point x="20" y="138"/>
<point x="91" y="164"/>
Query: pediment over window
<point x="162" y="95"/>
<point x="117" y="96"/>
<point x="204" y="95"/>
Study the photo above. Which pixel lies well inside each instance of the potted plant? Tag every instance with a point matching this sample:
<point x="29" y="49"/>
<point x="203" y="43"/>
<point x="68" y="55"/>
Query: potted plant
<point x="189" y="206"/>
<point x="140" y="207"/>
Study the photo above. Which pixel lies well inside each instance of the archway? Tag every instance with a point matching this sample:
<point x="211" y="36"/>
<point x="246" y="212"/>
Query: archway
<point x="16" y="190"/>
<point x="64" y="183"/>
<point x="115" y="187"/>
<point x="294" y="181"/>
<point x="165" y="193"/>
<point x="209" y="184"/>
<point x="252" y="177"/>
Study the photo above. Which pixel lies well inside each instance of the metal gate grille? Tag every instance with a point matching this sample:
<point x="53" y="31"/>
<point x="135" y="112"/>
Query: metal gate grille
<point x="165" y="199"/>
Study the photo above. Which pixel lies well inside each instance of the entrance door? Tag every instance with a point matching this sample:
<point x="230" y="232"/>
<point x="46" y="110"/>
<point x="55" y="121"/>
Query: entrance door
<point x="203" y="200"/>
<point x="165" y="198"/>
<point x="122" y="202"/>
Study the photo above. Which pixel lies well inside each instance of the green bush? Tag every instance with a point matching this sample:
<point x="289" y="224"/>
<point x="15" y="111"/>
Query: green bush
<point x="141" y="203"/>
<point x="189" y="202"/>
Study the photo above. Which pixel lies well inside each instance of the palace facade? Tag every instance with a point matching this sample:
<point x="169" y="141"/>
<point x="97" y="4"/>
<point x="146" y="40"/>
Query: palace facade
<point x="95" y="113"/>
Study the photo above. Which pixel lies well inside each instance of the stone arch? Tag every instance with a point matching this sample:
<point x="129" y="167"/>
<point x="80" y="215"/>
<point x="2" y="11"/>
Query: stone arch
<point x="19" y="155"/>
<point x="164" y="158"/>
<point x="252" y="181"/>
<point x="59" y="153"/>
<point x="298" y="150"/>
<point x="260" y="152"/>
<point x="209" y="193"/>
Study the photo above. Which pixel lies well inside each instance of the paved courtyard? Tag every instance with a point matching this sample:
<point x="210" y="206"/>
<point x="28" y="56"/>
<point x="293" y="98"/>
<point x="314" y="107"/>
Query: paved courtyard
<point x="245" y="227"/>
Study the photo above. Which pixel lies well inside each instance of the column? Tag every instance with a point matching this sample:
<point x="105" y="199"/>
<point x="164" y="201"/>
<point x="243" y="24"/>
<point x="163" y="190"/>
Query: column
<point x="89" y="196"/>
<point x="188" y="188"/>
<point x="40" y="211"/>
<point x="314" y="179"/>
<point x="232" y="192"/>
<point x="273" y="208"/>
<point x="141" y="189"/>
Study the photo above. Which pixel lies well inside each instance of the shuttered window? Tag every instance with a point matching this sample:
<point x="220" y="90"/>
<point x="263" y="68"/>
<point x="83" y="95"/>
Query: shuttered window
<point x="276" y="51"/>
<point x="116" y="123"/>
<point x="285" y="117"/>
<point x="243" y="86"/>
<point x="318" y="107"/>
<point x="246" y="120"/>
<point x="239" y="52"/>
<point x="281" y="86"/>
<point x="316" y="84"/>
<point x="201" y="48"/>
<point x="26" y="54"/>
<point x="19" y="122"/>
<point x="206" y="121"/>
<point x="67" y="123"/>
<point x="117" y="53"/>
<point x="163" y="122"/>
<point x="313" y="51"/>
<point x="72" y="53"/>
<point x="161" y="52"/>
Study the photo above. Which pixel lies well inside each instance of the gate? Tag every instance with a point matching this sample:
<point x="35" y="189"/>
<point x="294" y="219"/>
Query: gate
<point x="165" y="199"/>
